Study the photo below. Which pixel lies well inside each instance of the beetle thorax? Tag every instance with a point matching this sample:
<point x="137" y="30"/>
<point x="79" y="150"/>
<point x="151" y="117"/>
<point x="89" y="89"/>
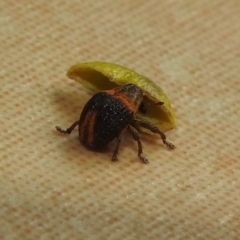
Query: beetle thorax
<point x="131" y="93"/>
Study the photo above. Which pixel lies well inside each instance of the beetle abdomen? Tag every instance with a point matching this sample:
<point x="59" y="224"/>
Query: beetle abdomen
<point x="103" y="119"/>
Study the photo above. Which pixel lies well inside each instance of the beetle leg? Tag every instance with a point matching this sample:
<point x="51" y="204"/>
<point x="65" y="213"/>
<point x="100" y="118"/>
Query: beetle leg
<point x="136" y="137"/>
<point x="115" y="152"/>
<point x="68" y="130"/>
<point x="154" y="129"/>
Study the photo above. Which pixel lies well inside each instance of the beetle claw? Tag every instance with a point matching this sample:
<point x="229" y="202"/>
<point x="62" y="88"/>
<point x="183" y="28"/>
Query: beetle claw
<point x="170" y="145"/>
<point x="62" y="130"/>
<point x="114" y="159"/>
<point x="143" y="159"/>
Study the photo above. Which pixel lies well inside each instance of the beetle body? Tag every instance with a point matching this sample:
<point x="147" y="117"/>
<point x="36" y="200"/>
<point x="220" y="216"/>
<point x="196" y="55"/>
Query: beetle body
<point x="108" y="114"/>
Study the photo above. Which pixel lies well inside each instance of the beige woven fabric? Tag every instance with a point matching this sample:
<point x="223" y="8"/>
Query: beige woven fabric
<point x="51" y="187"/>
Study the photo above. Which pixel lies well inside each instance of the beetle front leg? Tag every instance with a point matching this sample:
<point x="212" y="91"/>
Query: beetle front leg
<point x="68" y="130"/>
<point x="154" y="129"/>
<point x="136" y="137"/>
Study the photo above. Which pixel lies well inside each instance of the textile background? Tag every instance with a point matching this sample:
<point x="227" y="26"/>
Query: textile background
<point x="51" y="187"/>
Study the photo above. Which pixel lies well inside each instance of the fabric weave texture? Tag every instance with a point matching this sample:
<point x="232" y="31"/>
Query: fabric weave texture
<point x="51" y="187"/>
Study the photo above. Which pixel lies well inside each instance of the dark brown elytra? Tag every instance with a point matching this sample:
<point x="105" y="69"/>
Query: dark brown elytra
<point x="108" y="114"/>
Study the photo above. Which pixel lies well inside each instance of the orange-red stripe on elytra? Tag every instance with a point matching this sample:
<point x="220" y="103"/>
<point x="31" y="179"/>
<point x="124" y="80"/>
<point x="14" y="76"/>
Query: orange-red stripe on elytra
<point x="123" y="99"/>
<point x="88" y="127"/>
<point x="111" y="92"/>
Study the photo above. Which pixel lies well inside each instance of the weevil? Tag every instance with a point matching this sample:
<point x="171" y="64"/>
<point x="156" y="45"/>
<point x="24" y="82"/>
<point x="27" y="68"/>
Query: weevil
<point x="108" y="114"/>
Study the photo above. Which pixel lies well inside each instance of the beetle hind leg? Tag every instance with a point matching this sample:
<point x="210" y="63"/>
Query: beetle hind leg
<point x="68" y="130"/>
<point x="136" y="137"/>
<point x="115" y="152"/>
